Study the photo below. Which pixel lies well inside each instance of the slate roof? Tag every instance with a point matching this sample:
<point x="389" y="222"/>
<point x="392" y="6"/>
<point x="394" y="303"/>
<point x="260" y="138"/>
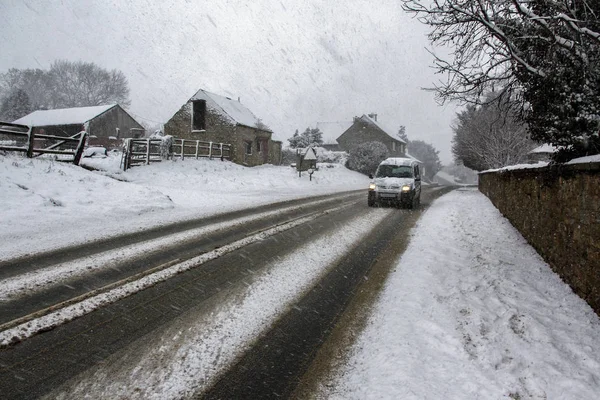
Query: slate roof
<point x="371" y="121"/>
<point x="235" y="111"/>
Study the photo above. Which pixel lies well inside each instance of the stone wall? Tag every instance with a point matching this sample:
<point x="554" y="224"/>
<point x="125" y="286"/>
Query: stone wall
<point x="557" y="209"/>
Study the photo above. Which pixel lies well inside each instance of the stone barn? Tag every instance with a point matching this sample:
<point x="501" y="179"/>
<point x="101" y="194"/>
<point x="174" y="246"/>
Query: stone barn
<point x="213" y="118"/>
<point x="105" y="125"/>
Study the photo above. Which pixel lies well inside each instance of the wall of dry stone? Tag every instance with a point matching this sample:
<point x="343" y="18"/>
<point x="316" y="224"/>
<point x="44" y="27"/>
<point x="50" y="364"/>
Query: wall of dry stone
<point x="557" y="210"/>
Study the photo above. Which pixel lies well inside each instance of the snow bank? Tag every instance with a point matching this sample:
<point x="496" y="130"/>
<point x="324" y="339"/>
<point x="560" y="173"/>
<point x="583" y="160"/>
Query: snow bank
<point x="47" y="204"/>
<point x="472" y="311"/>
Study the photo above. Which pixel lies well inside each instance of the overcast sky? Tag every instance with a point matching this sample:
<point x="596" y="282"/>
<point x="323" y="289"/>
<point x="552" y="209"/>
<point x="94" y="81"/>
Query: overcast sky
<point x="293" y="63"/>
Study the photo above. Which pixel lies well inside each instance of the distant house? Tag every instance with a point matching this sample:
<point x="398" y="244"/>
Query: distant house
<point x="366" y="129"/>
<point x="331" y="131"/>
<point x="212" y="118"/>
<point x="102" y="123"/>
<point x="541" y="153"/>
<point x="444" y="178"/>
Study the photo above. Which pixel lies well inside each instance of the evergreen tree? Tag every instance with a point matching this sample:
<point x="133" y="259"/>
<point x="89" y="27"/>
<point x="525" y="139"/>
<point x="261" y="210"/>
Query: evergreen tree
<point x="402" y="133"/>
<point x="428" y="155"/>
<point x="310" y="137"/>
<point x="15" y="106"/>
<point x="296" y="141"/>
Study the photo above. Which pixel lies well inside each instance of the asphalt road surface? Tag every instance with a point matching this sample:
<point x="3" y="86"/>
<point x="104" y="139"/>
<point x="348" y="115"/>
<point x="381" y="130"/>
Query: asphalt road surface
<point x="273" y="367"/>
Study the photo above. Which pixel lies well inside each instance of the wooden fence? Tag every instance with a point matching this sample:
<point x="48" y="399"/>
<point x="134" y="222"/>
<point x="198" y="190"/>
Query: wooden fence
<point x="14" y="137"/>
<point x="146" y="151"/>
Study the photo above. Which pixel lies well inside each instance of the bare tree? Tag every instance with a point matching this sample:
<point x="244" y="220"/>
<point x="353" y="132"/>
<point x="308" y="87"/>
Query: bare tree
<point x="489" y="136"/>
<point x="15" y="106"/>
<point x="35" y="82"/>
<point x="543" y="53"/>
<point x="77" y="84"/>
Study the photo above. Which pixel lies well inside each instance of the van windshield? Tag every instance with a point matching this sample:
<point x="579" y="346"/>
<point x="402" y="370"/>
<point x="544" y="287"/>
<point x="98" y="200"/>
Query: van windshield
<point x="394" y="171"/>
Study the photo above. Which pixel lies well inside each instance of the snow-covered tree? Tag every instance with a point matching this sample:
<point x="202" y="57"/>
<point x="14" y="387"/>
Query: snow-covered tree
<point x="310" y="137"/>
<point x="366" y="157"/>
<point x="15" y="106"/>
<point x="489" y="136"/>
<point x="402" y="133"/>
<point x="543" y="53"/>
<point x="428" y="155"/>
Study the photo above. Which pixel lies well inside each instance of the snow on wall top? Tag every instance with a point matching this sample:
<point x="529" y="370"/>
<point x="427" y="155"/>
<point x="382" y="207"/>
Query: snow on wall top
<point x="63" y="116"/>
<point x="545" y="148"/>
<point x="333" y="130"/>
<point x="234" y="110"/>
<point x="371" y="121"/>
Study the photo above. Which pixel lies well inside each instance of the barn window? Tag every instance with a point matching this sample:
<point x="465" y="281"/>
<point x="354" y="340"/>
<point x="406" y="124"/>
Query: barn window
<point x="248" y="146"/>
<point x="198" y="115"/>
<point x="393" y="146"/>
<point x="258" y="145"/>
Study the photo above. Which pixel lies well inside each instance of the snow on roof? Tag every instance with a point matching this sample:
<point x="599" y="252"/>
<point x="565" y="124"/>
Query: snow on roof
<point x="545" y="148"/>
<point x="414" y="158"/>
<point x="333" y="130"/>
<point x="63" y="116"/>
<point x="371" y="121"/>
<point x="398" y="161"/>
<point x="232" y="109"/>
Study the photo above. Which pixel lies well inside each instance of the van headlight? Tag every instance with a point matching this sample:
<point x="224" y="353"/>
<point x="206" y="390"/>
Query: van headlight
<point x="372" y="186"/>
<point x="406" y="188"/>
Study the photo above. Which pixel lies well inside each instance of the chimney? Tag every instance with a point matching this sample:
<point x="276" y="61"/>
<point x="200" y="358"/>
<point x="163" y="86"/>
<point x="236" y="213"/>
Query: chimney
<point x="373" y="116"/>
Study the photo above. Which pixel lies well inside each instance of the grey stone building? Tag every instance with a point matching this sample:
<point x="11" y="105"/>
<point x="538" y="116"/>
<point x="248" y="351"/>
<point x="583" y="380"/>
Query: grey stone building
<point x="366" y="129"/>
<point x="212" y="118"/>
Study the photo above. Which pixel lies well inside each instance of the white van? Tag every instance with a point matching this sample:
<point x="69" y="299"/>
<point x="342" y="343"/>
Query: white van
<point x="397" y="181"/>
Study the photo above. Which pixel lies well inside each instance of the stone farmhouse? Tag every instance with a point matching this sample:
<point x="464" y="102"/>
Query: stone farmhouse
<point x="366" y="129"/>
<point x="212" y="118"/>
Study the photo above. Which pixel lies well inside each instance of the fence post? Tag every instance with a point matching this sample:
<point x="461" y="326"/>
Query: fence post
<point x="210" y="150"/>
<point x="148" y="151"/>
<point x="221" y="149"/>
<point x="80" y="146"/>
<point x="197" y="146"/>
<point x="126" y="154"/>
<point x="30" y="139"/>
<point x="182" y="148"/>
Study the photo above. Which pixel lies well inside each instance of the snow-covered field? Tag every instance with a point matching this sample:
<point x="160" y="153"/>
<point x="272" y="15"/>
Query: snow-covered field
<point x="46" y="204"/>
<point x="472" y="312"/>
